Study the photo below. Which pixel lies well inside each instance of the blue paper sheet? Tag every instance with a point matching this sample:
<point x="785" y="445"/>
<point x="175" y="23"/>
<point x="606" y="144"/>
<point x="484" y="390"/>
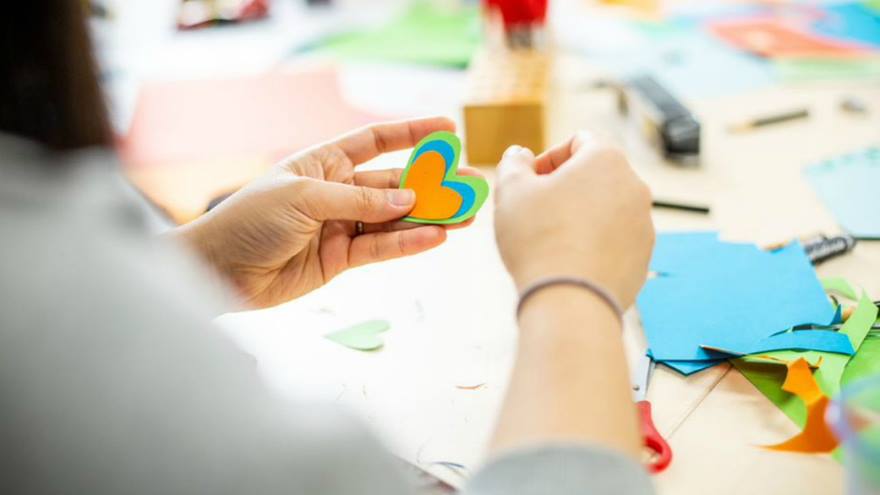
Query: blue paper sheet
<point x="848" y="185"/>
<point x="727" y="296"/>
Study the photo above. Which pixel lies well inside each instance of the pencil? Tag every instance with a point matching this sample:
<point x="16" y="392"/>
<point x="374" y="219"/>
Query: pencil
<point x="681" y="207"/>
<point x="770" y="120"/>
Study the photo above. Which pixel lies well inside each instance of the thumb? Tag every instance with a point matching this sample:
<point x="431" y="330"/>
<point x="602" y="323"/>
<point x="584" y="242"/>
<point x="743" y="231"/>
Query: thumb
<point x="516" y="162"/>
<point x="335" y="201"/>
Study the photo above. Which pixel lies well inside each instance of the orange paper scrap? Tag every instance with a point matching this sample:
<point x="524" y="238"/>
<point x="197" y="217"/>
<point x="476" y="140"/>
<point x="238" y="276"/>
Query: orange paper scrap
<point x="816" y="436"/>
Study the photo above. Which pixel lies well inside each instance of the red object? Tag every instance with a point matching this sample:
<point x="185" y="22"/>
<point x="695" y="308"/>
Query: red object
<point x="520" y="12"/>
<point x="653" y="440"/>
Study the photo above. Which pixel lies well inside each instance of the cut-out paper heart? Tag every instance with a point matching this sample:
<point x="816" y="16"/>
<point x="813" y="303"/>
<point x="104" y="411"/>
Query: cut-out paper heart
<point x="365" y="336"/>
<point x="442" y="196"/>
<point x="435" y="201"/>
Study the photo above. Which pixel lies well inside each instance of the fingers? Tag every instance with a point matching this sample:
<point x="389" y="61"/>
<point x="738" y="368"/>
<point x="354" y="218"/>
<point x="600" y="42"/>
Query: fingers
<point x="370" y="248"/>
<point x="516" y="162"/>
<point x="553" y="158"/>
<point x="390" y="179"/>
<point x="369" y="142"/>
<point x="385" y="179"/>
<point x="335" y="201"/>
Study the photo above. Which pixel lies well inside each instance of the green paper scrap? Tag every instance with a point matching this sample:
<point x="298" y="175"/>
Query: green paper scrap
<point x="426" y="34"/>
<point x="365" y="336"/>
<point x="810" y="69"/>
<point x="840" y="286"/>
<point x="865" y="363"/>
<point x="856" y="328"/>
<point x="768" y="378"/>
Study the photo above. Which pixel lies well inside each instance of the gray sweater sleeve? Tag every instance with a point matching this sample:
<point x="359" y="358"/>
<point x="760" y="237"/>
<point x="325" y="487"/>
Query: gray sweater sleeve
<point x="113" y="380"/>
<point x="561" y="470"/>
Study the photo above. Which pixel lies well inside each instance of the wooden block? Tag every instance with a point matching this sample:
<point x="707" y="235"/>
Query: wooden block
<point x="506" y="103"/>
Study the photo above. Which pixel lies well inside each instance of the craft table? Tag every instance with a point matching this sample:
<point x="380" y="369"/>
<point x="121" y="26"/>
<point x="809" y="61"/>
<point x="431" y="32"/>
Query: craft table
<point x="433" y="391"/>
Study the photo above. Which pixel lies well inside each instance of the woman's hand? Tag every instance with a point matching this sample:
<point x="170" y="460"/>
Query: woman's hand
<point x="577" y="210"/>
<point x="295" y="229"/>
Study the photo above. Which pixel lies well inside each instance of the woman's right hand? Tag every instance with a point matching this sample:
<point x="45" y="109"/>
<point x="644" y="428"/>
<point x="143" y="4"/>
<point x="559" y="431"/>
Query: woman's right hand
<point x="579" y="210"/>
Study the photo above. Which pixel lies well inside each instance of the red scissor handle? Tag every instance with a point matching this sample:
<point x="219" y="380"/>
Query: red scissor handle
<point x="653" y="440"/>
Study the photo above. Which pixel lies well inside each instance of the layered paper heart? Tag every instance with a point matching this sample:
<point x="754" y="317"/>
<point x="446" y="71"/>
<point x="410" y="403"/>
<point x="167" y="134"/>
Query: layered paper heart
<point x="442" y="196"/>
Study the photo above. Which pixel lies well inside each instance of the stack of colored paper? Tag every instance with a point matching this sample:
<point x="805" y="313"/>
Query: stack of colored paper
<point x="842" y="30"/>
<point x="810" y="41"/>
<point x="710" y="300"/>
<point x="832" y="371"/>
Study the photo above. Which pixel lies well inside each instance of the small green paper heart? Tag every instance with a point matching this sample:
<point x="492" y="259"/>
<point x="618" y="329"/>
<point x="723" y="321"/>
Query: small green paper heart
<point x="365" y="336"/>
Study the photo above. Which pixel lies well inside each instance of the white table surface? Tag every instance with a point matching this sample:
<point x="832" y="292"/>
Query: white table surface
<point x="452" y="312"/>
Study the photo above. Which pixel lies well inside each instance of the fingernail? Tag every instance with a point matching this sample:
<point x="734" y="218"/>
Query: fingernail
<point x="401" y="197"/>
<point x="514" y="149"/>
<point x="517" y="150"/>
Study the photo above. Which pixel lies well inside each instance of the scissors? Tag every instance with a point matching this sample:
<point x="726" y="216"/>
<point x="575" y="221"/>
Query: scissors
<point x="660" y="452"/>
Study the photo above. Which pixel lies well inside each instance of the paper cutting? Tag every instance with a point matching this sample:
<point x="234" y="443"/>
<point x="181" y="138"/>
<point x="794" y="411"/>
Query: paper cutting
<point x="365" y="336"/>
<point x="816" y="437"/>
<point x="442" y="196"/>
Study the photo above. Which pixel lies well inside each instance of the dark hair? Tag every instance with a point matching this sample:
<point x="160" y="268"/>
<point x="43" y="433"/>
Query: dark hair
<point x="49" y="89"/>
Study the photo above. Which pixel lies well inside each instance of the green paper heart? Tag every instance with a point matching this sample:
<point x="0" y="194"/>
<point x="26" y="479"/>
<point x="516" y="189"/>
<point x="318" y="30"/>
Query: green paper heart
<point x="365" y="336"/>
<point x="478" y="184"/>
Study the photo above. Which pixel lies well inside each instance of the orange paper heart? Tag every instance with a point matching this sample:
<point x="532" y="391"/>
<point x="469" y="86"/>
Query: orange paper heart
<point x="433" y="200"/>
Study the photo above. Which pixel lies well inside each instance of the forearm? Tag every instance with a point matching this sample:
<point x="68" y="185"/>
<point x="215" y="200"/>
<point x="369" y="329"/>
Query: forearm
<point x="570" y="381"/>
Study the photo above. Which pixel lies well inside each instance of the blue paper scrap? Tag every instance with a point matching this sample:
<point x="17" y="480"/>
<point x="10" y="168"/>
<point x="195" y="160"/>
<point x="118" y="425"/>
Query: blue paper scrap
<point x="691" y="367"/>
<point x="848" y="186"/>
<point x="728" y="296"/>
<point x="816" y="340"/>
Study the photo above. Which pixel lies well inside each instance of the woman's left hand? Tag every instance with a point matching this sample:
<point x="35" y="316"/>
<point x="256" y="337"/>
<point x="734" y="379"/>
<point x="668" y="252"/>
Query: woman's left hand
<point x="293" y="230"/>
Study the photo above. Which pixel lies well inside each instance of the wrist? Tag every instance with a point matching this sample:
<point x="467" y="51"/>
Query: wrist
<point x="583" y="285"/>
<point x="568" y="312"/>
<point x="192" y="236"/>
<point x="566" y="290"/>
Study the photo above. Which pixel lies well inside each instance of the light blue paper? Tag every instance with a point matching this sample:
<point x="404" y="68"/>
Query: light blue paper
<point x="849" y="186"/>
<point x="692" y="65"/>
<point x="852" y="22"/>
<point x="679" y="52"/>
<point x="726" y="295"/>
